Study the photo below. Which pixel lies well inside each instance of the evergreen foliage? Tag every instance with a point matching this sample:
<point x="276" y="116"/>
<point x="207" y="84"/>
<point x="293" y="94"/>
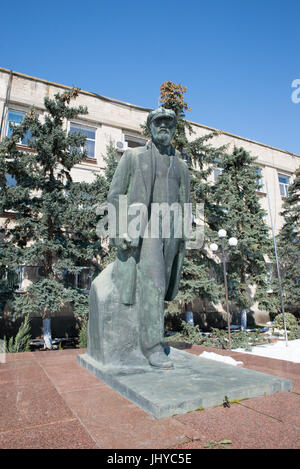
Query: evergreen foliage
<point x="83" y="333"/>
<point x="289" y="245"/>
<point x="199" y="279"/>
<point x="201" y="275"/>
<point x="8" y="278"/>
<point x="102" y="183"/>
<point x="111" y="160"/>
<point x="239" y="212"/>
<point x="54" y="218"/>
<point x="172" y="97"/>
<point x="107" y="252"/>
<point x="233" y="204"/>
<point x="22" y="340"/>
<point x="217" y="338"/>
<point x="290" y="320"/>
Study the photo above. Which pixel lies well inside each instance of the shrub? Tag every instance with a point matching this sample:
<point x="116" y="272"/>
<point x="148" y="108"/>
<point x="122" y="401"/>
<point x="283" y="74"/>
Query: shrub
<point x="291" y="322"/>
<point x="22" y="340"/>
<point x="83" y="332"/>
<point x="217" y="338"/>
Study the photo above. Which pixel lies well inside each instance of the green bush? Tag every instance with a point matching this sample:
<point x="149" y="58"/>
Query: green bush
<point x="83" y="332"/>
<point x="22" y="340"/>
<point x="189" y="333"/>
<point x="291" y="322"/>
<point x="218" y="338"/>
<point x="239" y="339"/>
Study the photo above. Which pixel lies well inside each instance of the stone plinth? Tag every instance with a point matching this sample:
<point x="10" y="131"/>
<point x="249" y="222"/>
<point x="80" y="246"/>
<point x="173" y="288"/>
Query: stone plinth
<point x="194" y="383"/>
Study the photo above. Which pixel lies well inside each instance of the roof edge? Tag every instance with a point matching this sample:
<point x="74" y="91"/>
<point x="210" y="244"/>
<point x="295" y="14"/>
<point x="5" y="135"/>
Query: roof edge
<point x="116" y="101"/>
<point x="243" y="138"/>
<point x="59" y="85"/>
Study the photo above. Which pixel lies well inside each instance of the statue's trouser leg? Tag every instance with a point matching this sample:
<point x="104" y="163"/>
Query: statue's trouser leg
<point x="154" y="269"/>
<point x="171" y="246"/>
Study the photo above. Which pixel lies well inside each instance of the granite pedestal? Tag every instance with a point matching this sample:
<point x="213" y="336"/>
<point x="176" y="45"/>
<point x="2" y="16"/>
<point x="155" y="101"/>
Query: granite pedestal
<point x="194" y="383"/>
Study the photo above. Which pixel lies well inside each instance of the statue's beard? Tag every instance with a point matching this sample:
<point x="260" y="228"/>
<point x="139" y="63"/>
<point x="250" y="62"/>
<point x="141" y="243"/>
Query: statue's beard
<point x="163" y="138"/>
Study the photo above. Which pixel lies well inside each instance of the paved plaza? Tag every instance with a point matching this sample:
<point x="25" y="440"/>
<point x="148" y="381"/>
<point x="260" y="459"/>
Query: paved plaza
<point x="49" y="401"/>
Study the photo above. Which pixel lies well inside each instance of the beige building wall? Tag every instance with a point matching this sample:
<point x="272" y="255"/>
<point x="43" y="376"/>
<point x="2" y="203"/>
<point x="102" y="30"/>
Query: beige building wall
<point x="115" y="120"/>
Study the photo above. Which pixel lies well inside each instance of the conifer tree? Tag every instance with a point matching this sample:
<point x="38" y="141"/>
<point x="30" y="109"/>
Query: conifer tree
<point x="289" y="245"/>
<point x="21" y="343"/>
<point x="91" y="196"/>
<point x="85" y="191"/>
<point x="53" y="215"/>
<point x="199" y="277"/>
<point x="232" y="203"/>
<point x="241" y="215"/>
<point x="8" y="278"/>
<point x="172" y="97"/>
<point x="111" y="161"/>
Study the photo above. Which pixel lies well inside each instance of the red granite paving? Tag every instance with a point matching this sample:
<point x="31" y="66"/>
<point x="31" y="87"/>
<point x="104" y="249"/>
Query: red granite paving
<point x="49" y="401"/>
<point x="116" y="422"/>
<point x="245" y="428"/>
<point x="59" y="435"/>
<point x="69" y="376"/>
<point x="25" y="405"/>
<point x="10" y="373"/>
<point x="285" y="406"/>
<point x="11" y="357"/>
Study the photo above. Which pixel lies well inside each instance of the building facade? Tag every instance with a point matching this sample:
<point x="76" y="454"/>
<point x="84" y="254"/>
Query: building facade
<point x="119" y="122"/>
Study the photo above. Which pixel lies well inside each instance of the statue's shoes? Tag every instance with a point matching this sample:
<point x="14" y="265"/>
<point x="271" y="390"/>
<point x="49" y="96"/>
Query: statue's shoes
<point x="160" y="360"/>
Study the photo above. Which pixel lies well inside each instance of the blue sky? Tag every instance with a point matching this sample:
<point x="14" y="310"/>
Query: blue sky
<point x="238" y="59"/>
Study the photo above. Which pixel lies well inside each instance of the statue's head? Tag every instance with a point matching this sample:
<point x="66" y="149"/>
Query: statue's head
<point x="162" y="124"/>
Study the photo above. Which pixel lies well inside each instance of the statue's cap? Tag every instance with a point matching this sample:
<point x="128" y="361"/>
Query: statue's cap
<point x="160" y="112"/>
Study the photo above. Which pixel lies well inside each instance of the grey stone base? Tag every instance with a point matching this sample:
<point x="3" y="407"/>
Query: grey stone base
<point x="194" y="383"/>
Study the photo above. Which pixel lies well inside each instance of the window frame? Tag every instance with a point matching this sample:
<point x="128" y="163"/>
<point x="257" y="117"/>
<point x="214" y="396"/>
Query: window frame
<point x="76" y="275"/>
<point x="219" y="170"/>
<point x="260" y="178"/>
<point x="83" y="126"/>
<point x="216" y="169"/>
<point x="285" y="186"/>
<point x="138" y="139"/>
<point x="22" y="111"/>
<point x="20" y="273"/>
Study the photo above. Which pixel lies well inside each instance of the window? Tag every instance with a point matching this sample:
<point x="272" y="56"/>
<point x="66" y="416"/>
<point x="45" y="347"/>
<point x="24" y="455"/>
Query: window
<point x="283" y="185"/>
<point x="20" y="276"/>
<point x="270" y="276"/>
<point x="81" y="280"/>
<point x="134" y="141"/>
<point x="90" y="135"/>
<point x="16" y="117"/>
<point x="13" y="278"/>
<point x="259" y="179"/>
<point x="10" y="180"/>
<point x="217" y="172"/>
<point x="217" y="169"/>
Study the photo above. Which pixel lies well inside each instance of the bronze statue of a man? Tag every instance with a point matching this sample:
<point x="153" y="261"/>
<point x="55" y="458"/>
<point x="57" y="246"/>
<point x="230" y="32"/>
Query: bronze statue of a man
<point x="148" y="268"/>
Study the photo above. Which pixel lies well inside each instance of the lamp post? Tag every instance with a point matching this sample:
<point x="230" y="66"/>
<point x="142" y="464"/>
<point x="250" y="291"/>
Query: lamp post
<point x="214" y="247"/>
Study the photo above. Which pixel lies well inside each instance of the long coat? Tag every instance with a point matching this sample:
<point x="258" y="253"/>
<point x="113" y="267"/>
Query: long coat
<point x="134" y="177"/>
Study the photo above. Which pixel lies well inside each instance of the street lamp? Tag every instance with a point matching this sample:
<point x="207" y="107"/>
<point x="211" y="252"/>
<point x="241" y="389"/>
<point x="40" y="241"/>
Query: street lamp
<point x="214" y="247"/>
